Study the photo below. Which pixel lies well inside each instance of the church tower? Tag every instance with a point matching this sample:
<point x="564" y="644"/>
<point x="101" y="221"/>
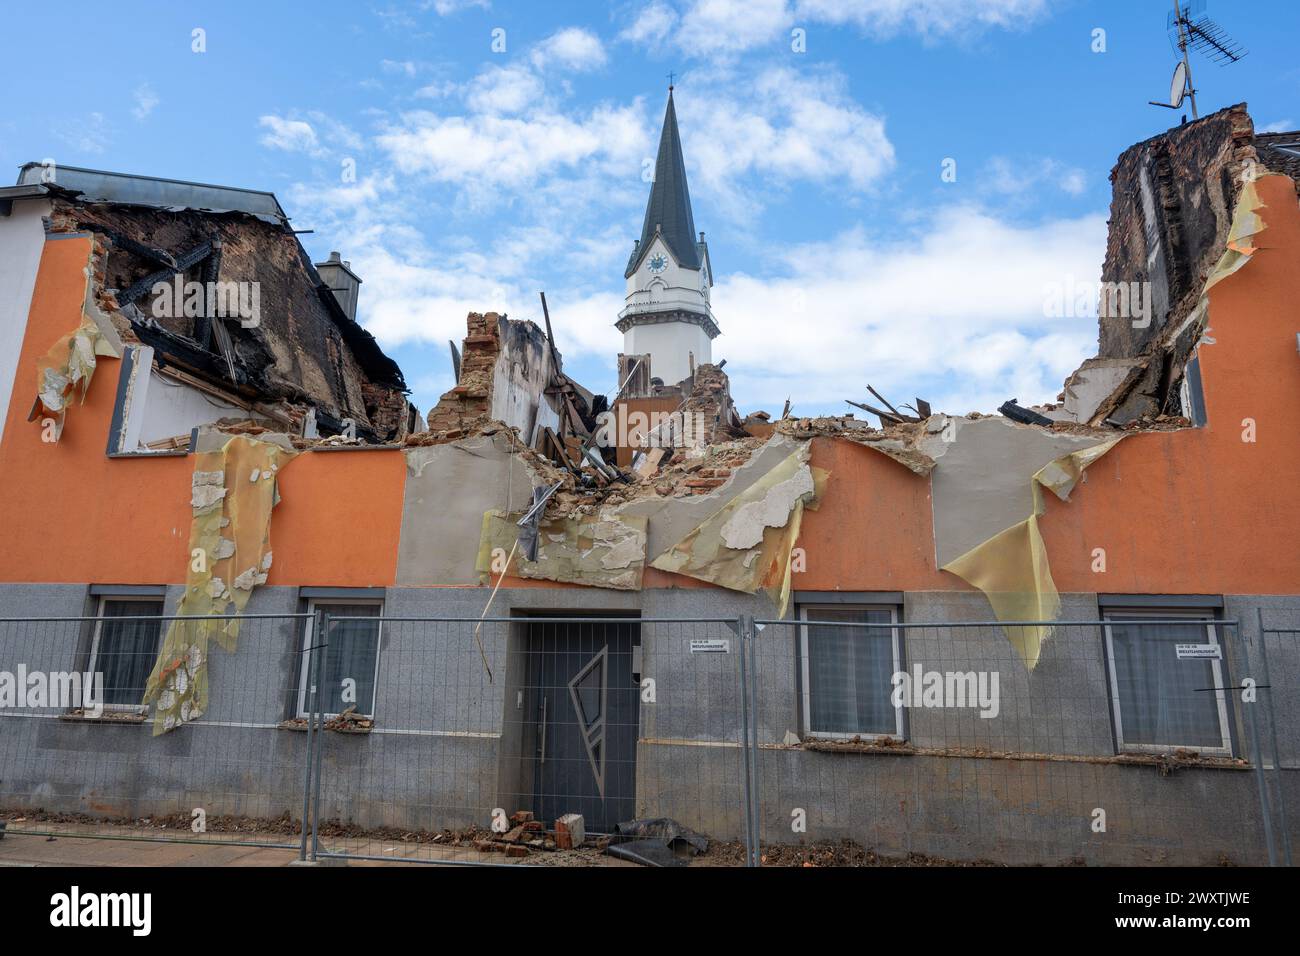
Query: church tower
<point x="667" y="315"/>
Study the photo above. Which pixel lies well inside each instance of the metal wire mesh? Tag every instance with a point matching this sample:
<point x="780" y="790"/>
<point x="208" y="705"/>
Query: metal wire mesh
<point x="485" y="737"/>
<point x="80" y="758"/>
<point x="935" y="743"/>
<point x="843" y="736"/>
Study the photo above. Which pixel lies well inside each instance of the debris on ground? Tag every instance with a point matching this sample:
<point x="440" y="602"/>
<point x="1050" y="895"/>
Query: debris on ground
<point x="350" y="722"/>
<point x="656" y="842"/>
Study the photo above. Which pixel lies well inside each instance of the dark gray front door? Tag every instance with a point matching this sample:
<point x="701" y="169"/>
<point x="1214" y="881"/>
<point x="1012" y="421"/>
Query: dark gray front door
<point x="586" y="705"/>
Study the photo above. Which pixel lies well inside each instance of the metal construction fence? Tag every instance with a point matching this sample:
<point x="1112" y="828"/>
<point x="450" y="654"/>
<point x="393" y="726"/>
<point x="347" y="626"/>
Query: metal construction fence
<point x="1134" y="740"/>
<point x="844" y="736"/>
<point x="78" y="755"/>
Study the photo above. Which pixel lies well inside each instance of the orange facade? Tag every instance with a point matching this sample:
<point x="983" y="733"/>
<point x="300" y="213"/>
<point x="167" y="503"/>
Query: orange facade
<point x="1194" y="511"/>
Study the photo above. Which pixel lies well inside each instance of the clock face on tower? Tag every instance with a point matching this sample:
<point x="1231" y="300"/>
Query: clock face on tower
<point x="658" y="263"/>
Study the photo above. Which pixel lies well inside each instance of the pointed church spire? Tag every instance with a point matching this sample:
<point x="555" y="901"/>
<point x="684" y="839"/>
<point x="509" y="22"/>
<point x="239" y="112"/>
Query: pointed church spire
<point x="669" y="208"/>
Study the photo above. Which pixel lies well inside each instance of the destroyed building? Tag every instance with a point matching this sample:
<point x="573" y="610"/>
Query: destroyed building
<point x="1157" y="487"/>
<point x="214" y="299"/>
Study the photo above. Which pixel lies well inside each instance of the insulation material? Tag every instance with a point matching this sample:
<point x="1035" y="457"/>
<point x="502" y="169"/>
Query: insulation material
<point x="233" y="490"/>
<point x="1012" y="569"/>
<point x="69" y="365"/>
<point x="602" y="550"/>
<point x="746" y="544"/>
<point x="672" y="517"/>
<point x="1246" y="224"/>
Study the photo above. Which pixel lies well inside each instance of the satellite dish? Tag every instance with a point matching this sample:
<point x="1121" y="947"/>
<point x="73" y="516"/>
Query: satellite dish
<point x="1178" y="86"/>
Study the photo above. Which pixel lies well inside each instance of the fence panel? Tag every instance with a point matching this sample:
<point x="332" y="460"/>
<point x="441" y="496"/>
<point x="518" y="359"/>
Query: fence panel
<point x="78" y="749"/>
<point x="1279" y="680"/>
<point x="450" y="740"/>
<point x="466" y="741"/>
<point x="935" y="743"/>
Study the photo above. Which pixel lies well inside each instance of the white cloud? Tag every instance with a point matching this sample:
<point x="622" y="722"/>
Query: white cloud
<point x="926" y="17"/>
<point x="1020" y="177"/>
<point x="725" y="26"/>
<point x="711" y="28"/>
<point x="446" y="7"/>
<point x="954" y="312"/>
<point x="503" y="89"/>
<point x="90" y="134"/>
<point x="145" y="101"/>
<point x="437" y="90"/>
<point x="573" y="48"/>
<point x="489" y="150"/>
<point x="336" y="132"/>
<point x="403" y="67"/>
<point x="290" y="135"/>
<point x="1281" y="126"/>
<point x="788" y="126"/>
<point x="652" y="24"/>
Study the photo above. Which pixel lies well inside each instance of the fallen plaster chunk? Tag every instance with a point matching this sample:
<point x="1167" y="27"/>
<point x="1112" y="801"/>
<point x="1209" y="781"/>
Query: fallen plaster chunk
<point x="602" y="550"/>
<point x="745" y="528"/>
<point x="705" y="554"/>
<point x="204" y="496"/>
<point x="250" y="578"/>
<point x="623" y="549"/>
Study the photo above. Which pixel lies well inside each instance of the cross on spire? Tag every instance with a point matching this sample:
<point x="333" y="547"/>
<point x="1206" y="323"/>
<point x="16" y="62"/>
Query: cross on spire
<point x="670" y="81"/>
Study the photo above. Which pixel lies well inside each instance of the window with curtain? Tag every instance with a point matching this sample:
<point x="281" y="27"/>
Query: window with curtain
<point x="124" y="650"/>
<point x="1162" y="701"/>
<point x="352" y="654"/>
<point x="848" y="671"/>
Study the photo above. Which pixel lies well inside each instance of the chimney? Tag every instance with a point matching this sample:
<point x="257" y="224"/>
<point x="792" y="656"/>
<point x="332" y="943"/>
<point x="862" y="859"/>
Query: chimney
<point x="343" y="282"/>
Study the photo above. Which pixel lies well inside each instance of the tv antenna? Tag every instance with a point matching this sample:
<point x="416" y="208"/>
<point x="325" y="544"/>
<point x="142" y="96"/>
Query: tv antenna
<point x="1196" y="31"/>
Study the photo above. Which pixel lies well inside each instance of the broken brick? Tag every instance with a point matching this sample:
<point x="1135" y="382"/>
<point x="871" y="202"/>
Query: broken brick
<point x="570" y="831"/>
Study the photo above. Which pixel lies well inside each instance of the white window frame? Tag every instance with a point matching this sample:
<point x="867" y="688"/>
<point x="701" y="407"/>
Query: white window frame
<point x="312" y="605"/>
<point x="804" y="668"/>
<point x="1122" y="615"/>
<point x="102" y="601"/>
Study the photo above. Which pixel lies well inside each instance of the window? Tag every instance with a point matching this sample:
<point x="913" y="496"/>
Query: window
<point x="350" y="665"/>
<point x="848" y="671"/>
<point x="1164" y="698"/>
<point x="124" y="650"/>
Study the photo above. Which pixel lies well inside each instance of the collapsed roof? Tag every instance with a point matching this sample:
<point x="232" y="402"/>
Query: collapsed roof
<point x="182" y="267"/>
<point x="1171" y="223"/>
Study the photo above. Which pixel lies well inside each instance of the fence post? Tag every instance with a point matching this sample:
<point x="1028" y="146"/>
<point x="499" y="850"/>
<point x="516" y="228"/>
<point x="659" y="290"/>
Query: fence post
<point x="321" y="647"/>
<point x="751" y="838"/>
<point x="1256" y="747"/>
<point x="311" y="707"/>
<point x="755" y="800"/>
<point x="1267" y="682"/>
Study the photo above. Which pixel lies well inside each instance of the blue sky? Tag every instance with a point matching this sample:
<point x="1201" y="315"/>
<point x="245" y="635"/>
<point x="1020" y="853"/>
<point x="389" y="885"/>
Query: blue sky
<point x="483" y="175"/>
